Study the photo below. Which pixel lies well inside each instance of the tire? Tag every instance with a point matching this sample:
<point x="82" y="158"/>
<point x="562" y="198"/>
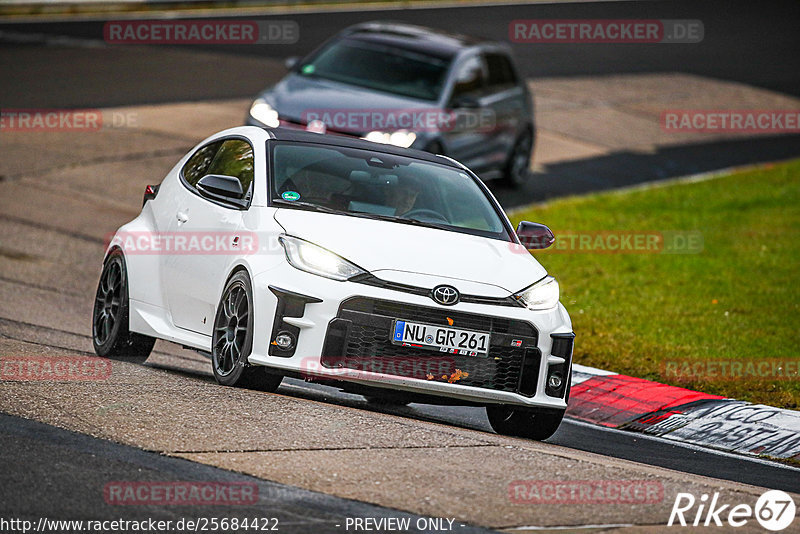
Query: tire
<point x="516" y="170"/>
<point x="522" y="422"/>
<point x="232" y="339"/>
<point x="111" y="337"/>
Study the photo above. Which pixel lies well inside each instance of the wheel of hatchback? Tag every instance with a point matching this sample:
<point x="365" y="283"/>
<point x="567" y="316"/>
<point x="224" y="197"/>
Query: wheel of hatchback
<point x="232" y="339"/>
<point x="523" y="422"/>
<point x="516" y="171"/>
<point x="110" y="334"/>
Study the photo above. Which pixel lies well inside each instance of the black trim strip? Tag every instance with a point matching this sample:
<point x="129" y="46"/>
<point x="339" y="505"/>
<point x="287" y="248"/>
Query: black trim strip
<point x="290" y="304"/>
<point x="562" y="347"/>
<point x="372" y="280"/>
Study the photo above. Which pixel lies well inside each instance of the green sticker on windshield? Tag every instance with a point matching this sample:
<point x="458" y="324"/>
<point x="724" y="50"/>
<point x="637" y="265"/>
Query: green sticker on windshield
<point x="308" y="69"/>
<point x="291" y="196"/>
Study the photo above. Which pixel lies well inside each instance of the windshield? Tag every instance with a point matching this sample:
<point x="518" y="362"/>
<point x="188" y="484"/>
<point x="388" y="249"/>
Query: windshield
<point x="382" y="68"/>
<point x="371" y="184"/>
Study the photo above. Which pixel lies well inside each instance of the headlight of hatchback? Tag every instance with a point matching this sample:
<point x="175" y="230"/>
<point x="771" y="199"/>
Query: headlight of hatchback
<point x="401" y="138"/>
<point x="542" y="295"/>
<point x="314" y="259"/>
<point x="264" y="113"/>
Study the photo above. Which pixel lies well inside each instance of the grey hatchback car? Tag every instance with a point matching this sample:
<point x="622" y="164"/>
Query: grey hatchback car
<point x="412" y="87"/>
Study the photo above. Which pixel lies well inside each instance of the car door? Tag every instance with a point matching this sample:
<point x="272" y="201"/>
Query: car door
<point x="205" y="235"/>
<point x="464" y="139"/>
<point x="506" y="99"/>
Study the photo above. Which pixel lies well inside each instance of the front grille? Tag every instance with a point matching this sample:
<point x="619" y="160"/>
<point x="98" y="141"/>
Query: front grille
<point x="360" y="339"/>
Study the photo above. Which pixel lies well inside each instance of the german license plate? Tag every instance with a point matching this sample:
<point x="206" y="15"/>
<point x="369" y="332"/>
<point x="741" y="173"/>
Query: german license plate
<point x="440" y="338"/>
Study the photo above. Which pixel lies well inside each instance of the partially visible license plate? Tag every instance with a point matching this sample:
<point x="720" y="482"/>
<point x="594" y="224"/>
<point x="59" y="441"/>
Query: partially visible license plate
<point x="441" y="338"/>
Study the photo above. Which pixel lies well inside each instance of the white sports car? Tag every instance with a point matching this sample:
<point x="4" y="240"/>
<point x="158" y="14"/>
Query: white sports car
<point x="383" y="271"/>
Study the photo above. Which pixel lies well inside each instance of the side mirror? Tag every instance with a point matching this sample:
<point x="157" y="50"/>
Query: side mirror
<point x="221" y="187"/>
<point x="465" y="102"/>
<point x="291" y="62"/>
<point x="535" y="235"/>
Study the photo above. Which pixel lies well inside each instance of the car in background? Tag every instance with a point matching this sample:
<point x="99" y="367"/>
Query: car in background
<point x="418" y="88"/>
<point x="392" y="273"/>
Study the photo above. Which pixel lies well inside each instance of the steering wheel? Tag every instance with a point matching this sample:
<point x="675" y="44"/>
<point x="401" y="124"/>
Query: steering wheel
<point x="425" y="213"/>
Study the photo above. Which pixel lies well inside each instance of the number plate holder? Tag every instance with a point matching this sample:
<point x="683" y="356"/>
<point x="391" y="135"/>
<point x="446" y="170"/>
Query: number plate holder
<point x="444" y="339"/>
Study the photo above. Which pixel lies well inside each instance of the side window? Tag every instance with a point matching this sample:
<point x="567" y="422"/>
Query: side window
<point x="501" y="73"/>
<point x="197" y="166"/>
<point x="234" y="158"/>
<point x="470" y="79"/>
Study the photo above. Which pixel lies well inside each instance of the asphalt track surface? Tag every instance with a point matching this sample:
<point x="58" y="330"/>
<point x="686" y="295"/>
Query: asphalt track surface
<point x="586" y="437"/>
<point x="66" y="472"/>
<point x="754" y="43"/>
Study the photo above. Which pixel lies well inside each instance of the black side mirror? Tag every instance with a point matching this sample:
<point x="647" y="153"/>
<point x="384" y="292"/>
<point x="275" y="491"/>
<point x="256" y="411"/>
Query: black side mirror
<point x="465" y="102"/>
<point x="535" y="235"/>
<point x="221" y="187"/>
<point x="291" y="62"/>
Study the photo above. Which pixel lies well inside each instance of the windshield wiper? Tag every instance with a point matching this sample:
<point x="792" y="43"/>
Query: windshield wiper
<point x="310" y="205"/>
<point x="394" y="218"/>
<point x="363" y="214"/>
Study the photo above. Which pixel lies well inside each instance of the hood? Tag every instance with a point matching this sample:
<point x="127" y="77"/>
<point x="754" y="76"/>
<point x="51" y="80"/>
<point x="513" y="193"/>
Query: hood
<point x="295" y="96"/>
<point x="387" y="246"/>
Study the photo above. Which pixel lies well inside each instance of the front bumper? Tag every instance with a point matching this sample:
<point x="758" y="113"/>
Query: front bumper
<point x="342" y="333"/>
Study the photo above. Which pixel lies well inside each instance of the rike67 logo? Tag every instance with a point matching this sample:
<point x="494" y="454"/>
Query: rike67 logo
<point x="774" y="511"/>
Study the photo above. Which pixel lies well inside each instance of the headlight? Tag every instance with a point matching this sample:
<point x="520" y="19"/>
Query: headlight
<point x="542" y="295"/>
<point x="264" y="113"/>
<point x="401" y="138"/>
<point x="309" y="257"/>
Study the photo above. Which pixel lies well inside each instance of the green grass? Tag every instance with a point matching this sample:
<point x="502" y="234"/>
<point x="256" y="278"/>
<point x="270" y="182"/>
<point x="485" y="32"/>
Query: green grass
<point x="737" y="300"/>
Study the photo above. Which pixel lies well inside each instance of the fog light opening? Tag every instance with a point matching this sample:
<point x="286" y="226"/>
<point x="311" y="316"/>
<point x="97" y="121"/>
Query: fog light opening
<point x="554" y="381"/>
<point x="284" y="340"/>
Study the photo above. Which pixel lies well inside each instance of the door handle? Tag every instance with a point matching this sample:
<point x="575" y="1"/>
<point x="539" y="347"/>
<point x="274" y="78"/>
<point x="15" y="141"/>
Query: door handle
<point x="182" y="217"/>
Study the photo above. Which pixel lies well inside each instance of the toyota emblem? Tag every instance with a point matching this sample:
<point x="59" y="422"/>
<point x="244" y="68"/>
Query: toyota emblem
<point x="445" y="295"/>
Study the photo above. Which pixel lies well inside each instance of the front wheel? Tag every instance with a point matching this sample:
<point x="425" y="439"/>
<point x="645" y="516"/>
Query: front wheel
<point x="523" y="422"/>
<point x="111" y="337"/>
<point x="232" y="340"/>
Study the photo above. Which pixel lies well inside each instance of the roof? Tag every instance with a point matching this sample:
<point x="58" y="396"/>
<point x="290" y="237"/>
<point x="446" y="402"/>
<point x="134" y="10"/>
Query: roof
<point x="302" y="136"/>
<point x="410" y="37"/>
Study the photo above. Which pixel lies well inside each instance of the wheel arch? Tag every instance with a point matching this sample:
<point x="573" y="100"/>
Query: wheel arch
<point x="237" y="267"/>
